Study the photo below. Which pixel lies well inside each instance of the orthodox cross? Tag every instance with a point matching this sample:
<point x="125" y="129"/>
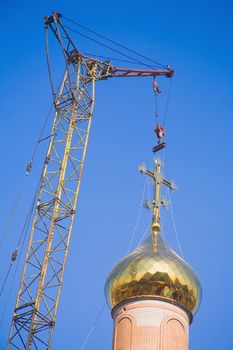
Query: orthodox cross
<point x="157" y="202"/>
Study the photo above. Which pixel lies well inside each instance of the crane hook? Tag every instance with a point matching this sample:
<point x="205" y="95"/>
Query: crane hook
<point x="160" y="132"/>
<point x="156" y="87"/>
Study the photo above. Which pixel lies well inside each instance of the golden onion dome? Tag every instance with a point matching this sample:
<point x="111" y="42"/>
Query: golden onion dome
<point x="154" y="270"/>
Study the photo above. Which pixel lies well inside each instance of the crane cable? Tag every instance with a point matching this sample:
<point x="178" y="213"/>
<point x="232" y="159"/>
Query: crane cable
<point x="130" y="242"/>
<point x="138" y="217"/>
<point x="7" y="225"/>
<point x="93" y="326"/>
<point x="144" y="234"/>
<point x="156" y="114"/>
<point x="64" y="52"/>
<point x="48" y="62"/>
<point x="12" y="212"/>
<point x="165" y="112"/>
<point x="129" y="246"/>
<point x="54" y="93"/>
<point x="174" y="224"/>
<point x="148" y="227"/>
<point x="12" y="282"/>
<point x="108" y="58"/>
<point x="39" y="139"/>
<point x="14" y="255"/>
<point x="167" y="102"/>
<point x="23" y="233"/>
<point x="6" y="278"/>
<point x="6" y="229"/>
<point x="156" y="92"/>
<point x="142" y="238"/>
<point x="21" y="238"/>
<point x="108" y="47"/>
<point x="115" y="43"/>
<point x="29" y="166"/>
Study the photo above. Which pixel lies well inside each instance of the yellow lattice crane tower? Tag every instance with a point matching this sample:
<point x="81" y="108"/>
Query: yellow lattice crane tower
<point x="40" y="287"/>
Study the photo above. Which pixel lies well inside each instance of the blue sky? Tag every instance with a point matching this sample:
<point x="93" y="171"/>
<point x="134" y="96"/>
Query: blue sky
<point x="196" y="39"/>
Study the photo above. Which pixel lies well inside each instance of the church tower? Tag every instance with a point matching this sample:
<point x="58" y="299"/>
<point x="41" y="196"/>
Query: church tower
<point x="152" y="292"/>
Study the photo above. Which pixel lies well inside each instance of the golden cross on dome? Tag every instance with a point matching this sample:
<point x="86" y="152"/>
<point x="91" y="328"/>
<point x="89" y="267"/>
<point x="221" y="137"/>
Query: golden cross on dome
<point x="158" y="180"/>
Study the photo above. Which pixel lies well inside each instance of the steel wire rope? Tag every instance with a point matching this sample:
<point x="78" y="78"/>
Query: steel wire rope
<point x="93" y="326"/>
<point x="174" y="224"/>
<point x="48" y="61"/>
<point x="4" y="235"/>
<point x="65" y="58"/>
<point x="41" y="133"/>
<point x="164" y="122"/>
<point x="138" y="216"/>
<point x="162" y="232"/>
<point x="30" y="211"/>
<point x="168" y="191"/>
<point x="68" y="75"/>
<point x="114" y="42"/>
<point x="167" y="102"/>
<point x="107" y="46"/>
<point x="23" y="183"/>
<point x="11" y="286"/>
<point x="143" y="236"/>
<point x="6" y="278"/>
<point x="102" y="309"/>
<point x="54" y="93"/>
<point x="18" y="198"/>
<point x="7" y="226"/>
<point x="23" y="233"/>
<point x="21" y="238"/>
<point x="130" y="243"/>
<point x="147" y="229"/>
<point x="156" y="109"/>
<point x="165" y="111"/>
<point x="166" y="248"/>
<point x="165" y="114"/>
<point x="109" y="58"/>
<point x="169" y="269"/>
<point x="157" y="120"/>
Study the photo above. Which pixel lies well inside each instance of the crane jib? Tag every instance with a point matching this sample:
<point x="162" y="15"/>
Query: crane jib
<point x="40" y="287"/>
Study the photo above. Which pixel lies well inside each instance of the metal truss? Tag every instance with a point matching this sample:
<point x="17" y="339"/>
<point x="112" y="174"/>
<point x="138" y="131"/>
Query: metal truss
<point x="38" y="297"/>
<point x="40" y="287"/>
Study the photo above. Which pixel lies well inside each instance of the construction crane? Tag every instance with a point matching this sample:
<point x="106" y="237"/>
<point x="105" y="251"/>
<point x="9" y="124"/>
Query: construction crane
<point x="40" y="287"/>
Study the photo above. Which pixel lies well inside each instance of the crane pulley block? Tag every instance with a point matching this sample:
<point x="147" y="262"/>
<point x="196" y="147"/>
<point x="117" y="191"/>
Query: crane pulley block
<point x="50" y="19"/>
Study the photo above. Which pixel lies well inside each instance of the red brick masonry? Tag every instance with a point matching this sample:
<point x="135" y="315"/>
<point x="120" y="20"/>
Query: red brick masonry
<point x="150" y="325"/>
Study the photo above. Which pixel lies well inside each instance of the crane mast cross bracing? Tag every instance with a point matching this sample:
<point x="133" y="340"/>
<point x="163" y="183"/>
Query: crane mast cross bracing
<point x="40" y="287"/>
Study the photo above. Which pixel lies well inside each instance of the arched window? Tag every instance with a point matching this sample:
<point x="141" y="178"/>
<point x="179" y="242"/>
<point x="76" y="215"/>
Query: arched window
<point x="174" y="335"/>
<point x="123" y="336"/>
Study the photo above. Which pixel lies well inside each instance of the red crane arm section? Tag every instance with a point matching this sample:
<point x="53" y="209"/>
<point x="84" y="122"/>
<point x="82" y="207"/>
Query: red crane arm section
<point x="128" y="72"/>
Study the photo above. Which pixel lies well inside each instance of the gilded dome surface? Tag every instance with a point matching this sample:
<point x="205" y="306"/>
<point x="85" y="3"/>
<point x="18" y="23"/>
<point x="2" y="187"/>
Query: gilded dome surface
<point x="154" y="271"/>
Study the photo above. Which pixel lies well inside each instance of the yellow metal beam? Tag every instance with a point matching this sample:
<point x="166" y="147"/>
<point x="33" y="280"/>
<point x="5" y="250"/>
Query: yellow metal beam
<point x="38" y="297"/>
